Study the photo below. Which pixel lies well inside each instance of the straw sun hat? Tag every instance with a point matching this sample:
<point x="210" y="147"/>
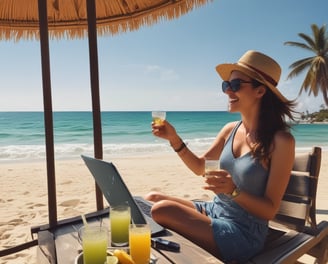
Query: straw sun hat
<point x="257" y="66"/>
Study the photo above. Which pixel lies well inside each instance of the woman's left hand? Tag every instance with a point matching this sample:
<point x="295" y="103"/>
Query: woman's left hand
<point x="219" y="182"/>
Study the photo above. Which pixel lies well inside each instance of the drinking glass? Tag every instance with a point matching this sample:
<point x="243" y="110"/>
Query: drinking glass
<point x="120" y="219"/>
<point x="158" y="117"/>
<point x="94" y="244"/>
<point x="211" y="165"/>
<point x="139" y="242"/>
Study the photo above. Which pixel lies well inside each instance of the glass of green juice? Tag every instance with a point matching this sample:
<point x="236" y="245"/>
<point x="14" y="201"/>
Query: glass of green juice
<point x="94" y="244"/>
<point x="120" y="219"/>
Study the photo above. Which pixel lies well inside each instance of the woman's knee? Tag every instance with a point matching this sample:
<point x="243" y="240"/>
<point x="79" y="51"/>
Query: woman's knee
<point x="155" y="196"/>
<point x="163" y="210"/>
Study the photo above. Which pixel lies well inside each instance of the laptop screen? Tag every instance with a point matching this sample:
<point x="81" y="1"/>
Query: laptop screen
<point x="113" y="187"/>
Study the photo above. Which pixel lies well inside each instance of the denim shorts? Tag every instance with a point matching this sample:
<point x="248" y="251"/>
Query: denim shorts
<point x="238" y="235"/>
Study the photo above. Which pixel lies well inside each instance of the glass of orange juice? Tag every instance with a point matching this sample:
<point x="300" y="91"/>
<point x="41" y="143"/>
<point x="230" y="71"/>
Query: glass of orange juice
<point x="139" y="242"/>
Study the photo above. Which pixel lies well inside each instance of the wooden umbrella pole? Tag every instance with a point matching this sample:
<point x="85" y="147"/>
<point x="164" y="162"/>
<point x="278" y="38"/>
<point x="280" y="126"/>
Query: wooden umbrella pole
<point x="48" y="120"/>
<point x="94" y="78"/>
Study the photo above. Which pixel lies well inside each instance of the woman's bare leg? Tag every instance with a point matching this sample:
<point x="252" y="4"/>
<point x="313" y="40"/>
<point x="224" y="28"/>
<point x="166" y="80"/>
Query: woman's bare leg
<point x="158" y="196"/>
<point x="182" y="217"/>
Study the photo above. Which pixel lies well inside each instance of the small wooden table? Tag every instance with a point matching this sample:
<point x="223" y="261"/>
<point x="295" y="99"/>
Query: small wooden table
<point x="61" y="245"/>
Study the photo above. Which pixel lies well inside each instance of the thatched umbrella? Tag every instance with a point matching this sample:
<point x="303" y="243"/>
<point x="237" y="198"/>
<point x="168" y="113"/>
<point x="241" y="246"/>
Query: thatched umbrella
<point x="39" y="19"/>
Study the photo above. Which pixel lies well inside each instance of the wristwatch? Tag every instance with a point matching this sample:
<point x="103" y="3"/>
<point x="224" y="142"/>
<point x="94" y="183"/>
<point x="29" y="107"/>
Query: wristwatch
<point x="234" y="193"/>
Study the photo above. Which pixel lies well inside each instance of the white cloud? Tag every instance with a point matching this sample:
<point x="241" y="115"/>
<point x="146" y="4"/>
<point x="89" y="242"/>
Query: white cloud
<point x="164" y="74"/>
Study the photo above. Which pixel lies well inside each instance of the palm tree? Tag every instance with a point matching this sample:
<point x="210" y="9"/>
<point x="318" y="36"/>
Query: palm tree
<point x="316" y="77"/>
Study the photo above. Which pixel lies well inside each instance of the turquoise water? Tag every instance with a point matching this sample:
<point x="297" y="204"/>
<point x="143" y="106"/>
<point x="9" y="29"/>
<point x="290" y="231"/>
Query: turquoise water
<point x="124" y="133"/>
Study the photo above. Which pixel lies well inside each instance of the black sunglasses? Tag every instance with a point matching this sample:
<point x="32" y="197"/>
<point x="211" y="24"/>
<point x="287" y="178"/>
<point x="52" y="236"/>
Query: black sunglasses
<point x="234" y="85"/>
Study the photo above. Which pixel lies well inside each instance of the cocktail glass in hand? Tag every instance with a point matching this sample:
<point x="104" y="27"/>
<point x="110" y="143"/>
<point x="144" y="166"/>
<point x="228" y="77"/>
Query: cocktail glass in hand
<point x="211" y="165"/>
<point x="158" y="117"/>
<point x="94" y="244"/>
<point x="139" y="242"/>
<point x="120" y="219"/>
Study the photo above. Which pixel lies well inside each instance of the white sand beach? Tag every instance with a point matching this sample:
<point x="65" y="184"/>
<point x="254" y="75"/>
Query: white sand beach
<point x="24" y="193"/>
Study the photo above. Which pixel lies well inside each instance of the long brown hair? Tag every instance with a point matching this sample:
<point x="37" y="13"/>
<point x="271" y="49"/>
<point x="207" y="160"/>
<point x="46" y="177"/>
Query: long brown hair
<point x="272" y="118"/>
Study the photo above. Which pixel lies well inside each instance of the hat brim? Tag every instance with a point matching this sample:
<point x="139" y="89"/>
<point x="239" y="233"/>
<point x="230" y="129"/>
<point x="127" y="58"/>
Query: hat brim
<point x="225" y="70"/>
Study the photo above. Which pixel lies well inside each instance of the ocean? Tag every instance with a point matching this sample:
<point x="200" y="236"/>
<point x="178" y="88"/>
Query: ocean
<point x="124" y="134"/>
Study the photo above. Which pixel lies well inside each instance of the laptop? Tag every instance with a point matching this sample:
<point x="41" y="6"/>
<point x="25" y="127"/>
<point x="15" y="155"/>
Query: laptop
<point x="116" y="192"/>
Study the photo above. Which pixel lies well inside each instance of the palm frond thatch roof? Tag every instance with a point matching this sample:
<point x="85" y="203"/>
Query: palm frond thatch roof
<point x="68" y="18"/>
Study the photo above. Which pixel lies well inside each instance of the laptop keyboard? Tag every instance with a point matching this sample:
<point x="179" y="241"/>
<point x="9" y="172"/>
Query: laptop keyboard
<point x="145" y="207"/>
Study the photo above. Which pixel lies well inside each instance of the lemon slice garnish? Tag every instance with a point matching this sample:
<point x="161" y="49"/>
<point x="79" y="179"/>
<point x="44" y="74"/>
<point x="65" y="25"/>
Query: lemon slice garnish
<point x="112" y="260"/>
<point x="123" y="257"/>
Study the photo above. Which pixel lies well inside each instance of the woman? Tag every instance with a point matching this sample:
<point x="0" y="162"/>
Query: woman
<point x="256" y="157"/>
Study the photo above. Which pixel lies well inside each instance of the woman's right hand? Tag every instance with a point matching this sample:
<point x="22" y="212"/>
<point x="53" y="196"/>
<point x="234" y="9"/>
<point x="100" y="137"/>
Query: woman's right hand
<point x="165" y="131"/>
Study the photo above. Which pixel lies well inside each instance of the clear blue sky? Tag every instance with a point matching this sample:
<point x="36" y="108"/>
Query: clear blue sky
<point x="170" y="65"/>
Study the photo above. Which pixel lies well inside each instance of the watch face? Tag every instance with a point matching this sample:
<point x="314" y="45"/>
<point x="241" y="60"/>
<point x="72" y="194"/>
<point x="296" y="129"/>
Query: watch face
<point x="235" y="193"/>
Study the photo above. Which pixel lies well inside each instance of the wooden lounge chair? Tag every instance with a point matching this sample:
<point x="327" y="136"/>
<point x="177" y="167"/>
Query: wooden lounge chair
<point x="294" y="231"/>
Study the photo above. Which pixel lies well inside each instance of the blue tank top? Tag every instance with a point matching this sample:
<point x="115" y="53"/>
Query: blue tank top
<point x="247" y="172"/>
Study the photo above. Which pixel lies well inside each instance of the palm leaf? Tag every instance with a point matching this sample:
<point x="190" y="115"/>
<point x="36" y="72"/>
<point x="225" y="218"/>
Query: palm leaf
<point x="315" y="68"/>
<point x="298" y="44"/>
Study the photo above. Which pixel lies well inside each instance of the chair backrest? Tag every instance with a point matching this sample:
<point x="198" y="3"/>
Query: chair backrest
<point x="298" y="207"/>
